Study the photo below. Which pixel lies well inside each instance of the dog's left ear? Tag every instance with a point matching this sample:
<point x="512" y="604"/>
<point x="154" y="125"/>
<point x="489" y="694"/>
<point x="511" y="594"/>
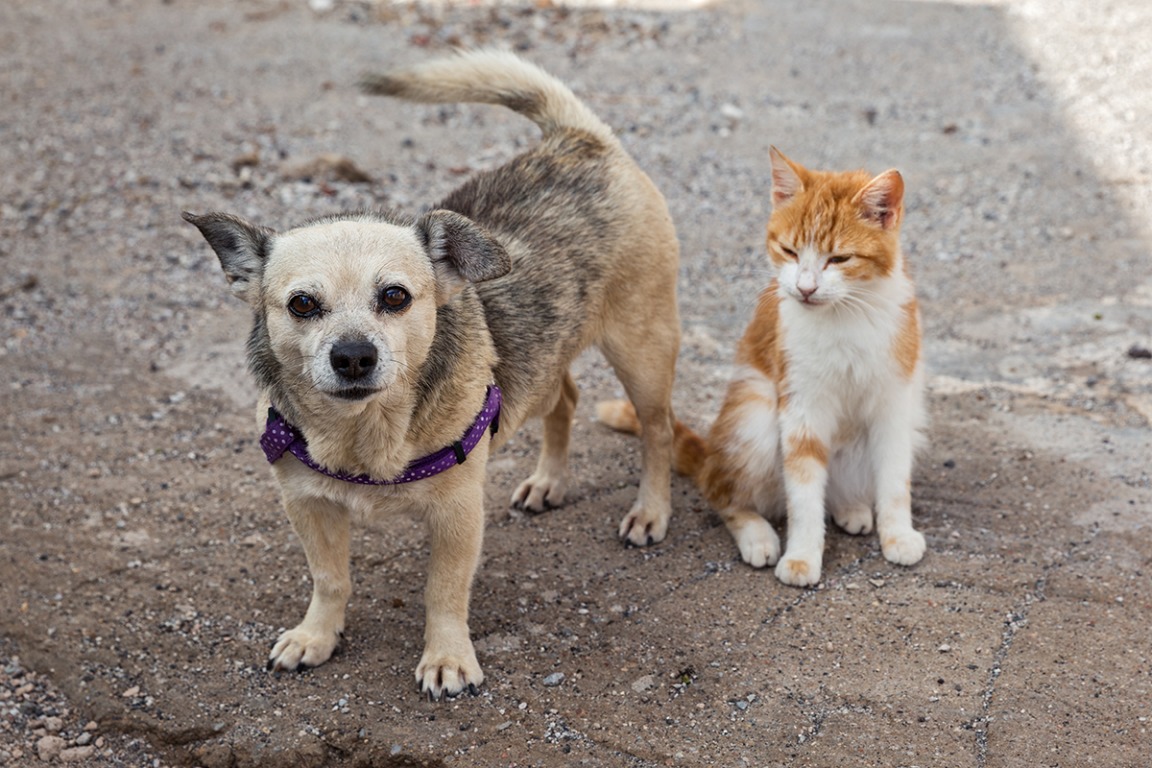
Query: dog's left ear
<point x="461" y="251"/>
<point x="240" y="246"/>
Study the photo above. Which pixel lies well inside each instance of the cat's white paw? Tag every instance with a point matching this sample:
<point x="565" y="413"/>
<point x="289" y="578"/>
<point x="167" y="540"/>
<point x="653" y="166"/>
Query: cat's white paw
<point x="758" y="543"/>
<point x="799" y="571"/>
<point x="539" y="492"/>
<point x="905" y="546"/>
<point x="855" y="519"/>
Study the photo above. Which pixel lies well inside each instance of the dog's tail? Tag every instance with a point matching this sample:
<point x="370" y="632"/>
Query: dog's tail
<point x="689" y="449"/>
<point x="490" y="76"/>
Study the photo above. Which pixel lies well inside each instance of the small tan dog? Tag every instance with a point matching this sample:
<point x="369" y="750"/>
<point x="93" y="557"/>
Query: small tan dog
<point x="377" y="340"/>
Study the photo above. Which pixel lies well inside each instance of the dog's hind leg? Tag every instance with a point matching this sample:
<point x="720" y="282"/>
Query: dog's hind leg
<point x="645" y="363"/>
<point x="323" y="528"/>
<point x="545" y="488"/>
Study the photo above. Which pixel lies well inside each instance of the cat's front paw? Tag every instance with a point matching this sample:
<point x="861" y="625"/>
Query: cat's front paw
<point x="799" y="571"/>
<point x="903" y="547"/>
<point x="855" y="519"/>
<point x="758" y="543"/>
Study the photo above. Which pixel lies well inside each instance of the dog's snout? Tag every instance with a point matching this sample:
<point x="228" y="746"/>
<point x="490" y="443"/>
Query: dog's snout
<point x="353" y="359"/>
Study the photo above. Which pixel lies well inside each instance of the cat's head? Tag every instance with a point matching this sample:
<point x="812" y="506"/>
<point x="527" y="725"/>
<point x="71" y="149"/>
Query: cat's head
<point x="833" y="235"/>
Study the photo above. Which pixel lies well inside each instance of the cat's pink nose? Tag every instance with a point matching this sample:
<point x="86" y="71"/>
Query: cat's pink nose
<point x="806" y="284"/>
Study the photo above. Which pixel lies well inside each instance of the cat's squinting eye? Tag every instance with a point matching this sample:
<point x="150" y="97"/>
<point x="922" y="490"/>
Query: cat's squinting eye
<point x="788" y="252"/>
<point x="838" y="259"/>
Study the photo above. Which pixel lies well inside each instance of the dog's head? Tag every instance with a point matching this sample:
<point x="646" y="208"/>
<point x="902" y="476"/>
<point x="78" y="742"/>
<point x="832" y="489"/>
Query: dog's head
<point x="346" y="306"/>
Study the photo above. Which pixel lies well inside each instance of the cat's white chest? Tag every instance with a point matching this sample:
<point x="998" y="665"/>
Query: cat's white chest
<point x="841" y="365"/>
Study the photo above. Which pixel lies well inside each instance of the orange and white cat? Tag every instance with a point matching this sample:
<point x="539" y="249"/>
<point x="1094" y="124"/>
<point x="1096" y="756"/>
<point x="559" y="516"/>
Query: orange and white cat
<point x="825" y="408"/>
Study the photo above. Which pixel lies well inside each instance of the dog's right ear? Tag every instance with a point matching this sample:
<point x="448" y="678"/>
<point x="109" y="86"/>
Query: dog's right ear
<point x="461" y="251"/>
<point x="240" y="246"/>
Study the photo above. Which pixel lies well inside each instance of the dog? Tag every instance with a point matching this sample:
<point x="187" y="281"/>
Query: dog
<point x="379" y="338"/>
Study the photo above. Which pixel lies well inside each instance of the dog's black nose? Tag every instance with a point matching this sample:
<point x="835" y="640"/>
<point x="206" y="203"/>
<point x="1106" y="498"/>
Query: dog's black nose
<point x="353" y="359"/>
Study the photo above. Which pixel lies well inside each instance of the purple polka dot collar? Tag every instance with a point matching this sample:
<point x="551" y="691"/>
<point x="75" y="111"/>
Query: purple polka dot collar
<point x="280" y="436"/>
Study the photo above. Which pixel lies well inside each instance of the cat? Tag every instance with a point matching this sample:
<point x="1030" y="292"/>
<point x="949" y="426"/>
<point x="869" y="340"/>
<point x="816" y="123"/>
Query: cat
<point x="825" y="408"/>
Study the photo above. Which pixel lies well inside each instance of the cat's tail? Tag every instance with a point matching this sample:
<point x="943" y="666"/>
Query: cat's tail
<point x="490" y="76"/>
<point x="689" y="449"/>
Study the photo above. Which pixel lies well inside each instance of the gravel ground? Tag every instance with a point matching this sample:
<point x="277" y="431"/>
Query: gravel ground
<point x="146" y="568"/>
<point x="37" y="723"/>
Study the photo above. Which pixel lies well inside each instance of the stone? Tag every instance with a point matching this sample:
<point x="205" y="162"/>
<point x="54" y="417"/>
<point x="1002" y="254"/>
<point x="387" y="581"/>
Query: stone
<point x="49" y="747"/>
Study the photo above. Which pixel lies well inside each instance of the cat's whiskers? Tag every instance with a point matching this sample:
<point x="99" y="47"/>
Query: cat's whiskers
<point x="852" y="306"/>
<point x="859" y="306"/>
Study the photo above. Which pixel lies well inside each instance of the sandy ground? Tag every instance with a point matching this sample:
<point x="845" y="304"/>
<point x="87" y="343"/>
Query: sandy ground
<point x="145" y="567"/>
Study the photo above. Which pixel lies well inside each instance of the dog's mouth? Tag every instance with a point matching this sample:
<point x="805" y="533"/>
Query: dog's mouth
<point x="353" y="393"/>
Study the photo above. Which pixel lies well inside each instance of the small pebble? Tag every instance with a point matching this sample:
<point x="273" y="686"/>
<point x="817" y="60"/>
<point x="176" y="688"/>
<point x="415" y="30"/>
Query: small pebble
<point x="554" y="679"/>
<point x="731" y="111"/>
<point x="49" y="747"/>
<point x="76" y="754"/>
<point x="1137" y="352"/>
<point x="642" y="684"/>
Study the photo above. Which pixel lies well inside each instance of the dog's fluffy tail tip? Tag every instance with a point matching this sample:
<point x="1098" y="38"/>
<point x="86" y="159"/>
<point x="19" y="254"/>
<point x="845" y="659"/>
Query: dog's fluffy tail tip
<point x="619" y="415"/>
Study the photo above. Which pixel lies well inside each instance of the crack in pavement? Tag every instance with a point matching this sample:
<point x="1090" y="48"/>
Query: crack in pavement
<point x="1016" y="620"/>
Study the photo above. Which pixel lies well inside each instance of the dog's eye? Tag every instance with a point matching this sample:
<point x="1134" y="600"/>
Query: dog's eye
<point x="394" y="298"/>
<point x="303" y="305"/>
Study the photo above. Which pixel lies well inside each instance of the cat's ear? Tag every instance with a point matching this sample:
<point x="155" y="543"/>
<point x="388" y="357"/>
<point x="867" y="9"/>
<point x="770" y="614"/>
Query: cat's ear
<point x="882" y="201"/>
<point x="787" y="181"/>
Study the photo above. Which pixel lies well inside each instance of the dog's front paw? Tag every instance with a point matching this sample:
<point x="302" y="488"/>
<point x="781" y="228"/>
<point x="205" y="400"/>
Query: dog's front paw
<point x="541" y="491"/>
<point x="643" y="526"/>
<point x="302" y="647"/>
<point x="798" y="570"/>
<point x="448" y="674"/>
<point x="904" y="546"/>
